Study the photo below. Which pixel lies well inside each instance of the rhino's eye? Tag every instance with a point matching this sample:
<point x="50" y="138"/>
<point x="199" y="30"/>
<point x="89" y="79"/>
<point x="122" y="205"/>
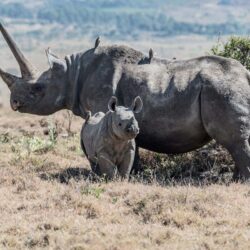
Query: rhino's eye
<point x="119" y="124"/>
<point x="32" y="93"/>
<point x="38" y="88"/>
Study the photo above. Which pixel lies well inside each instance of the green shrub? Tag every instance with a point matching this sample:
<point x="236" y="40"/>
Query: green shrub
<point x="237" y="48"/>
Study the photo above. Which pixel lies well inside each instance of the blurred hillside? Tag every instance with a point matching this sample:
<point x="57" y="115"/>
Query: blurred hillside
<point x="124" y="19"/>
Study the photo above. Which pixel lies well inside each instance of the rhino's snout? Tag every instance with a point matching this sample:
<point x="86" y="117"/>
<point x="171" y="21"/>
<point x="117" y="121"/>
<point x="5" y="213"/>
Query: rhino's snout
<point x="15" y="104"/>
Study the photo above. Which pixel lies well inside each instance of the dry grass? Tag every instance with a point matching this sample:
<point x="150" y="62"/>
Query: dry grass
<point x="49" y="198"/>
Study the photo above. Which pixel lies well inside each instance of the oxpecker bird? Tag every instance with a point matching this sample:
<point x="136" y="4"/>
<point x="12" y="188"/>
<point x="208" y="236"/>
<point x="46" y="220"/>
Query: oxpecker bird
<point x="151" y="54"/>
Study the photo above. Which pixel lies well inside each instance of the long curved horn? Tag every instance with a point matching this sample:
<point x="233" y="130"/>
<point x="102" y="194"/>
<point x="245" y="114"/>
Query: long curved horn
<point x="8" y="78"/>
<point x="26" y="67"/>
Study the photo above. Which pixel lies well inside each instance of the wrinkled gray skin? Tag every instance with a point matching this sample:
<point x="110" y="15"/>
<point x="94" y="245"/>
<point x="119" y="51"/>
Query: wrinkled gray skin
<point x="108" y="139"/>
<point x="186" y="102"/>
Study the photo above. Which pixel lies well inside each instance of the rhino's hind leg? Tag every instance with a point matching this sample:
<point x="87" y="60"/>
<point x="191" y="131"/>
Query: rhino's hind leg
<point x="239" y="148"/>
<point x="241" y="155"/>
<point x="240" y="152"/>
<point x="228" y="123"/>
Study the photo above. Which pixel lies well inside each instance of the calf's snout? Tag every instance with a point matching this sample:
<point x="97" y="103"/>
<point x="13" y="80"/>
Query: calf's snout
<point x="132" y="129"/>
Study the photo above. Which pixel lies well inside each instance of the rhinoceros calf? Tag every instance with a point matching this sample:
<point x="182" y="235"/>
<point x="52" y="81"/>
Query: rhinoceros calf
<point x="108" y="139"/>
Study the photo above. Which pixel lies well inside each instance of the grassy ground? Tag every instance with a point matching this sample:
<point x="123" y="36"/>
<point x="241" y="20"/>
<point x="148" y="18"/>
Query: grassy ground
<point x="49" y="198"/>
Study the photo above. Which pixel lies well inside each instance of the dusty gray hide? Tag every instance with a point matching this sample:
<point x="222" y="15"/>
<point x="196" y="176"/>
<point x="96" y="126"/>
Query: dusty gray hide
<point x="186" y="102"/>
<point x="108" y="139"/>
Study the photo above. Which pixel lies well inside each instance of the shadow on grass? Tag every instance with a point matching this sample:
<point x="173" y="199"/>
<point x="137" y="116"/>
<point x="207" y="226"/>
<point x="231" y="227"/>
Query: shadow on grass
<point x="76" y="174"/>
<point x="209" y="165"/>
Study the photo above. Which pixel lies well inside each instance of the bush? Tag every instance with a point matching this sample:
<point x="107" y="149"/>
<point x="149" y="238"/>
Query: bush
<point x="237" y="48"/>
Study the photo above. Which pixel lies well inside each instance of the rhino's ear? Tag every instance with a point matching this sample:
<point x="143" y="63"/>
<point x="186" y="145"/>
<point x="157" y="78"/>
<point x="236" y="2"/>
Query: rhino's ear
<point x="112" y="103"/>
<point x="137" y="105"/>
<point x="55" y="62"/>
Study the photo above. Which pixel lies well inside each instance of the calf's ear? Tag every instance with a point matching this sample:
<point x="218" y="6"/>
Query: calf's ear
<point x="112" y="103"/>
<point x="137" y="105"/>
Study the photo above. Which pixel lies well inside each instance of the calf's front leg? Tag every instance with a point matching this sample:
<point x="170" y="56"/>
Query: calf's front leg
<point x="125" y="166"/>
<point x="106" y="166"/>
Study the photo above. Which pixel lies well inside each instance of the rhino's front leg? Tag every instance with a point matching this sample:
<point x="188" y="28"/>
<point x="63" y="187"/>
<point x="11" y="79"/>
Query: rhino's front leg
<point x="137" y="167"/>
<point x="126" y="165"/>
<point x="106" y="166"/>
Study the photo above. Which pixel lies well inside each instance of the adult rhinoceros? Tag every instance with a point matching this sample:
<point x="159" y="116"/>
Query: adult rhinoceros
<point x="186" y="102"/>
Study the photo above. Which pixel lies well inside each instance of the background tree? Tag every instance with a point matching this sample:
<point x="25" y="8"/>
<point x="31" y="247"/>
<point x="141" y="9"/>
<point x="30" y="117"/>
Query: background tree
<point x="236" y="47"/>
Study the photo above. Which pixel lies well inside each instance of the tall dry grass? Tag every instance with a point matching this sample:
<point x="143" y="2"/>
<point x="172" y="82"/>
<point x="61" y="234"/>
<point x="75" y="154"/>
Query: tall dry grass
<point x="49" y="199"/>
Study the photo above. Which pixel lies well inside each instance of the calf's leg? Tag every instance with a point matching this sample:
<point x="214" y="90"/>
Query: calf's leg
<point x="106" y="167"/>
<point x="125" y="166"/>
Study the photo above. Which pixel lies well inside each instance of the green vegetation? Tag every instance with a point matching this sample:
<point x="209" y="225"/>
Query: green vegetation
<point x="27" y="145"/>
<point x="237" y="48"/>
<point x="94" y="191"/>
